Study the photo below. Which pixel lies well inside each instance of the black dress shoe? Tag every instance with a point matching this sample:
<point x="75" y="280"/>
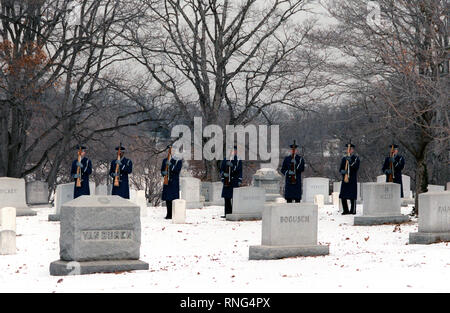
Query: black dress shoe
<point x="168" y="217"/>
<point x="223" y="216"/>
<point x="345" y="213"/>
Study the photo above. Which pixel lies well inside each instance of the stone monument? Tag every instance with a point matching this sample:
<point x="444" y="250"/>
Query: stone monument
<point x="141" y="201"/>
<point x="270" y="180"/>
<point x="37" y="192"/>
<point x="312" y="186"/>
<point x="319" y="201"/>
<point x="63" y="194"/>
<point x="435" y="188"/>
<point x="179" y="211"/>
<point x="99" y="234"/>
<point x="190" y="191"/>
<point x="381" y="205"/>
<point x="212" y="192"/>
<point x="12" y="194"/>
<point x="7" y="231"/>
<point x="289" y="230"/>
<point x="434" y="218"/>
<point x="248" y="204"/>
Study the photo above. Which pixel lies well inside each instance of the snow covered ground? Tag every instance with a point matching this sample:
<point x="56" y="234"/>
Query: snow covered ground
<point x="209" y="254"/>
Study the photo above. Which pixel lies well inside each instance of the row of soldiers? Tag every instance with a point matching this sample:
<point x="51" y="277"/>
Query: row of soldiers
<point x="231" y="176"/>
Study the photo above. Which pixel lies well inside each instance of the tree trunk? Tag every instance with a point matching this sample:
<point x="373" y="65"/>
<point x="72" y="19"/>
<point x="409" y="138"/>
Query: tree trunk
<point x="212" y="170"/>
<point x="421" y="181"/>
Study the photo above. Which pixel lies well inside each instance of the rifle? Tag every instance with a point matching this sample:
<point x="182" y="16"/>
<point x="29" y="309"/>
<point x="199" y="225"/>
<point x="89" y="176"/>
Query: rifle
<point x="293" y="178"/>
<point x="116" y="178"/>
<point x="347" y="166"/>
<point x="391" y="166"/>
<point x="169" y="157"/>
<point x="228" y="179"/>
<point x="78" y="183"/>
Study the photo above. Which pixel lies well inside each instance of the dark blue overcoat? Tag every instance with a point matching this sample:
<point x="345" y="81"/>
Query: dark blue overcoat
<point x="399" y="164"/>
<point x="350" y="190"/>
<point x="125" y="169"/>
<point x="236" y="176"/>
<point x="172" y="190"/>
<point x="85" y="172"/>
<point x="293" y="191"/>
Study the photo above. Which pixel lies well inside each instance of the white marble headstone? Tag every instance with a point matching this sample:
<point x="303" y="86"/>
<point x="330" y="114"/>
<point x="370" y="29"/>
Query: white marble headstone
<point x="270" y="180"/>
<point x="7" y="230"/>
<point x="13" y="194"/>
<point x="190" y="191"/>
<point x="314" y="186"/>
<point x="179" y="211"/>
<point x="381" y="199"/>
<point x="434" y="214"/>
<point x="64" y="193"/>
<point x="141" y="201"/>
<point x="37" y="192"/>
<point x="436" y="188"/>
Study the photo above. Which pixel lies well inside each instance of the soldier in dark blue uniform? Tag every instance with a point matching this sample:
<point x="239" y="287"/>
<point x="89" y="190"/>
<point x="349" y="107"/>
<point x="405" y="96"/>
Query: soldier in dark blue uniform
<point x="171" y="191"/>
<point x="86" y="170"/>
<point x="398" y="163"/>
<point x="125" y="168"/>
<point x="292" y="169"/>
<point x="231" y="175"/>
<point x="349" y="191"/>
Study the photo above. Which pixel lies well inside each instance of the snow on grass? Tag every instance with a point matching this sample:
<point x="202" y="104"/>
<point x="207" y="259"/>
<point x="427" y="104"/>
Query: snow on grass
<point x="209" y="254"/>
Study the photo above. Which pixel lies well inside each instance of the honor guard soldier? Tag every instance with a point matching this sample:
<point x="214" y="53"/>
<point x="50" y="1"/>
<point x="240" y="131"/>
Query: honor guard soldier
<point x="393" y="166"/>
<point x="231" y="175"/>
<point x="121" y="167"/>
<point x="349" y="186"/>
<point x="292" y="168"/>
<point x="170" y="170"/>
<point x="81" y="169"/>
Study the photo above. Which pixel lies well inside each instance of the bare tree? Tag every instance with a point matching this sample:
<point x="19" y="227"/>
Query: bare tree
<point x="398" y="65"/>
<point x="222" y="60"/>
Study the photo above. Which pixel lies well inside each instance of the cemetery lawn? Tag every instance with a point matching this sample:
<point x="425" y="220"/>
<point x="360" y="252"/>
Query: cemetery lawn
<point x="209" y="254"/>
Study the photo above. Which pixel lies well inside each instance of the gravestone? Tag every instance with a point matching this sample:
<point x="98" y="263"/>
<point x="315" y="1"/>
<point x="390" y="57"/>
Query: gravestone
<point x="13" y="194"/>
<point x="319" y="201"/>
<point x="312" y="186"/>
<point x="101" y="190"/>
<point x="434" y="218"/>
<point x="190" y="191"/>
<point x="337" y="201"/>
<point x="7" y="231"/>
<point x="248" y="204"/>
<point x="288" y="230"/>
<point x="381" y="205"/>
<point x="448" y="186"/>
<point x="407" y="193"/>
<point x="280" y="200"/>
<point x="141" y="201"/>
<point x="63" y="194"/>
<point x="270" y="180"/>
<point x="37" y="192"/>
<point x="435" y="188"/>
<point x="133" y="194"/>
<point x="179" y="211"/>
<point x="212" y="192"/>
<point x="99" y="234"/>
